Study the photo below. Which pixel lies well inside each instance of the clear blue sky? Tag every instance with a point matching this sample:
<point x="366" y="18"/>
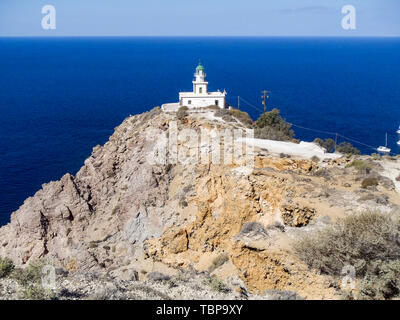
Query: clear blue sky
<point x="199" y="18"/>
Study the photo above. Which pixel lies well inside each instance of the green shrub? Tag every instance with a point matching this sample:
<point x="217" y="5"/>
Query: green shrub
<point x="182" y="202"/>
<point x="188" y="188"/>
<point x="271" y="126"/>
<point x="172" y="283"/>
<point x="271" y="134"/>
<point x="376" y="156"/>
<point x="369" y="182"/>
<point x="30" y="274"/>
<point x="6" y="267"/>
<point x="181" y="276"/>
<point x="182" y="113"/>
<point x="93" y="244"/>
<point x="224" y="114"/>
<point x="242" y="116"/>
<point x="221" y="112"/>
<point x="382" y="282"/>
<point x="368" y="241"/>
<point x="343" y="147"/>
<point x="315" y="159"/>
<point x="347" y="148"/>
<point x="218" y="285"/>
<point x="30" y="278"/>
<point x="35" y="292"/>
<point x="228" y="118"/>
<point x="359" y="164"/>
<point x="218" y="261"/>
<point x="327" y="144"/>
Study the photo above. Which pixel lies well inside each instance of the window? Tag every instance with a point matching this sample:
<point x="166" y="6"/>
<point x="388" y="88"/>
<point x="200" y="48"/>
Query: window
<point x="200" y="90"/>
<point x="189" y="101"/>
<point x="216" y="102"/>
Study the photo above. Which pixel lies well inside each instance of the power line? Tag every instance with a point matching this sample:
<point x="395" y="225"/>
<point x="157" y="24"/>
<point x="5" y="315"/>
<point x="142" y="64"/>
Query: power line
<point x="315" y="130"/>
<point x="251" y="105"/>
<point x="335" y="134"/>
<point x="355" y="141"/>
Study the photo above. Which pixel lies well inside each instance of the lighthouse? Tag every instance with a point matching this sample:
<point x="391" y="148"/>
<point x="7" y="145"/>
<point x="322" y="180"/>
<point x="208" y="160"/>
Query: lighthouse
<point x="200" y="97"/>
<point x="200" y="85"/>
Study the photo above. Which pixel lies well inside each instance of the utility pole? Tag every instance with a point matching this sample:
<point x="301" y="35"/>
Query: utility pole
<point x="238" y="102"/>
<point x="264" y="97"/>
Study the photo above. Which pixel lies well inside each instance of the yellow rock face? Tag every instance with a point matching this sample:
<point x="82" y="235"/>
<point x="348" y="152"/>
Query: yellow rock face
<point x="225" y="202"/>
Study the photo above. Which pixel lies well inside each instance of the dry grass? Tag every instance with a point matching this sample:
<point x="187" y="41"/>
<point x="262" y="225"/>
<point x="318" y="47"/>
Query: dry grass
<point x="370" y="242"/>
<point x="369" y="182"/>
<point x="218" y="261"/>
<point x="6" y="267"/>
<point x="359" y="164"/>
<point x="182" y="113"/>
<point x="242" y="116"/>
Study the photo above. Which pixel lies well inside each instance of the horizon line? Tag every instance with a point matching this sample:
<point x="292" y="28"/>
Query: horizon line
<point x="199" y="36"/>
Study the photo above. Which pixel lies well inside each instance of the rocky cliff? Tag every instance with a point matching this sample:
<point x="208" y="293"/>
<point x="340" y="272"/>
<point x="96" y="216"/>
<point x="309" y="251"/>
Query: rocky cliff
<point x="125" y="217"/>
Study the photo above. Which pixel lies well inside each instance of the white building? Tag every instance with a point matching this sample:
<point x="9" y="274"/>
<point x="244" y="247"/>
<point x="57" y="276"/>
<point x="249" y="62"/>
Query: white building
<point x="200" y="97"/>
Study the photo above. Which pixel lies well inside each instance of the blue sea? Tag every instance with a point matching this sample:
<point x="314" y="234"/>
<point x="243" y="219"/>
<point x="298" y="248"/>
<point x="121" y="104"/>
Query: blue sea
<point x="59" y="97"/>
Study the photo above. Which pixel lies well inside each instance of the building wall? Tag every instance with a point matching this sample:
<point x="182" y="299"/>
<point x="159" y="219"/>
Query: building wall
<point x="197" y="86"/>
<point x="200" y="102"/>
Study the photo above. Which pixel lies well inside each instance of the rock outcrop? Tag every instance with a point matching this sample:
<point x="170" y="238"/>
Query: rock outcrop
<point x="124" y="215"/>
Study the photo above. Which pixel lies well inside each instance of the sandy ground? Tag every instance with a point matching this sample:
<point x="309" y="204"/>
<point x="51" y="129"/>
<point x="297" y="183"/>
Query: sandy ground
<point x="303" y="149"/>
<point x="392" y="171"/>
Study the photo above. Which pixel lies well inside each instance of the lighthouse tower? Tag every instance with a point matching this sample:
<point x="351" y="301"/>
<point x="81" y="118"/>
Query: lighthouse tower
<point x="200" y="97"/>
<point x="200" y="85"/>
